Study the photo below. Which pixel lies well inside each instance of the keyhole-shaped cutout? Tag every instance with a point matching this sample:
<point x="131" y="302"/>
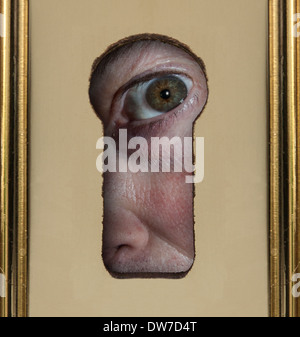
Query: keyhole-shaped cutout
<point x="148" y="91"/>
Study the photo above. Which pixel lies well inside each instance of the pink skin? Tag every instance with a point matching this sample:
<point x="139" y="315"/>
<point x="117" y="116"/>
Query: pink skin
<point x="148" y="217"/>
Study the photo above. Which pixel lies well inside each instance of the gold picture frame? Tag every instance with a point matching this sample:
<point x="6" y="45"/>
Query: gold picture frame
<point x="284" y="157"/>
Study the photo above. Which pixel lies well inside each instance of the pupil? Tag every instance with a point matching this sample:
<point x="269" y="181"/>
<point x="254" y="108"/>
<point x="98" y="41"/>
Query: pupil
<point x="165" y="94"/>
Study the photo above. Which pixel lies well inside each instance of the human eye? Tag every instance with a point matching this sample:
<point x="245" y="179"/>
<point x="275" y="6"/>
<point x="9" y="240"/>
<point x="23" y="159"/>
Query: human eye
<point x="148" y="88"/>
<point x="157" y="96"/>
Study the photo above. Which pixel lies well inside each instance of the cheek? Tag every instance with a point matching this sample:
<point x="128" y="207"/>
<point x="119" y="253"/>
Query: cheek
<point x="171" y="206"/>
<point x="148" y="217"/>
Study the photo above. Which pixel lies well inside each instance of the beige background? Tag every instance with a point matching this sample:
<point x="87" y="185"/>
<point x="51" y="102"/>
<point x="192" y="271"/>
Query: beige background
<point x="67" y="277"/>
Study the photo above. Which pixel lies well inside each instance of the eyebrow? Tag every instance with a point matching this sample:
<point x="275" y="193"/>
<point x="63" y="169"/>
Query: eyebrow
<point x="127" y="44"/>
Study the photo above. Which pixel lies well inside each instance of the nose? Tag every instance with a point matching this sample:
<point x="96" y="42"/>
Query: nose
<point x="124" y="236"/>
<point x="130" y="247"/>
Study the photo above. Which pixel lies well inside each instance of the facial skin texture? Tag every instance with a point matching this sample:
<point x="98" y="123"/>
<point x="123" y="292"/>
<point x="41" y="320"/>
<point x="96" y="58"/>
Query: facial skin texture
<point x="148" y="225"/>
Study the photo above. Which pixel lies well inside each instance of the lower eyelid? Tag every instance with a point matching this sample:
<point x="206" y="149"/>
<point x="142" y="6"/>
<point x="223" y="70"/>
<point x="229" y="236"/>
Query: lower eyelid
<point x="153" y="128"/>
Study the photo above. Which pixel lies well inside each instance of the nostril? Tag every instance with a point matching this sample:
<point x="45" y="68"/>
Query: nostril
<point x="124" y="235"/>
<point x="136" y="239"/>
<point x="121" y="246"/>
<point x="156" y="257"/>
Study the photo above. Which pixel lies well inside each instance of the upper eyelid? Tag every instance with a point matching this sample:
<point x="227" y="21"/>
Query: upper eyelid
<point x="145" y="78"/>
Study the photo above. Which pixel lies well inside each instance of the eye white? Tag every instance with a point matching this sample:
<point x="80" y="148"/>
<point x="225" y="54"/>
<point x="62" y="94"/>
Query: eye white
<point x="136" y="105"/>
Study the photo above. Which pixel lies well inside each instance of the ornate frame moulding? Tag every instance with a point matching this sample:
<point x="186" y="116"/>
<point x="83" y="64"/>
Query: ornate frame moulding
<point x="284" y="157"/>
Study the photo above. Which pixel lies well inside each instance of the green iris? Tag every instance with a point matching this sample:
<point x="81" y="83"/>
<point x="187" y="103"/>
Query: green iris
<point x="166" y="93"/>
